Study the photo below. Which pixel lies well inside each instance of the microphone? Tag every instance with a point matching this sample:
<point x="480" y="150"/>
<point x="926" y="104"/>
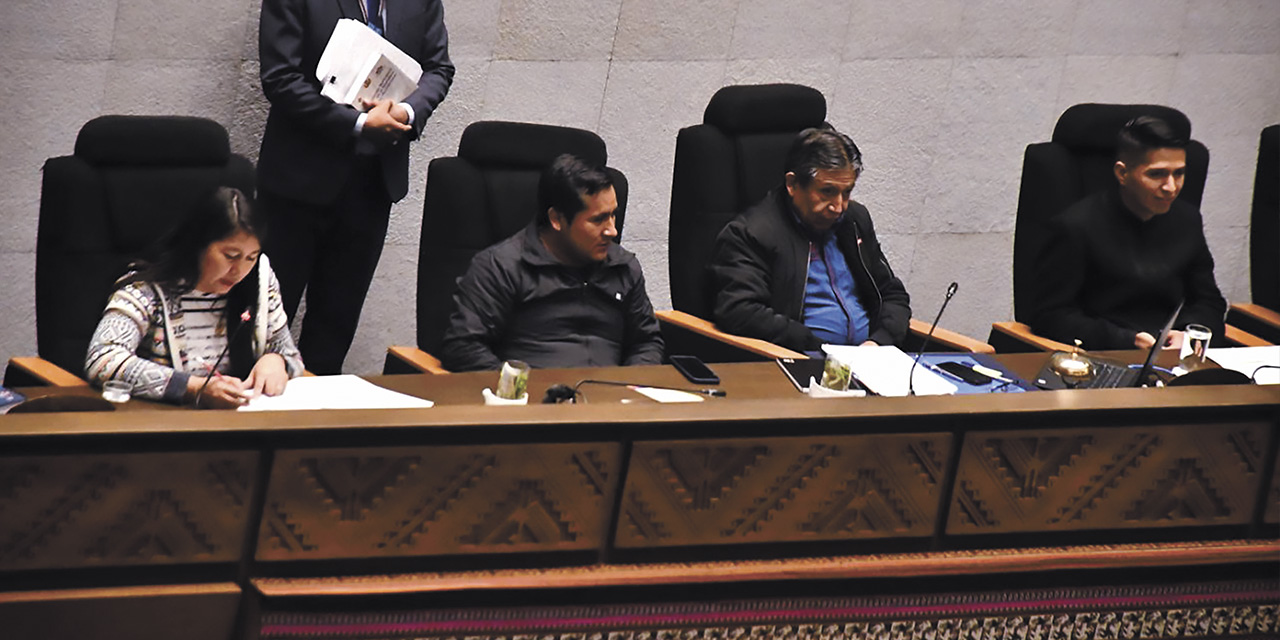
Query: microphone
<point x="244" y="319"/>
<point x="560" y="393"/>
<point x="911" y="375"/>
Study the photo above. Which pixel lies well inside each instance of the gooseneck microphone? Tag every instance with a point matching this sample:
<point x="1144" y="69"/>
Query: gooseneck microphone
<point x="560" y="393"/>
<point x="244" y="319"/>
<point x="911" y="375"/>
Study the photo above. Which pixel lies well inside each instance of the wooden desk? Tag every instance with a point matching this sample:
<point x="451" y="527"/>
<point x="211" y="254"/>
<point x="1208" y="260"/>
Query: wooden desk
<point x="102" y="499"/>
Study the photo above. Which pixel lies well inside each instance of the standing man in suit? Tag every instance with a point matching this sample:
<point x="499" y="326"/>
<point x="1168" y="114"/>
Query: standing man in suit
<point x="328" y="173"/>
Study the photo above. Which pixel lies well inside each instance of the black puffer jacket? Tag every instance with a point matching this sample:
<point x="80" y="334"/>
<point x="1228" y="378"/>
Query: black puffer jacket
<point x="761" y="262"/>
<point x="517" y="302"/>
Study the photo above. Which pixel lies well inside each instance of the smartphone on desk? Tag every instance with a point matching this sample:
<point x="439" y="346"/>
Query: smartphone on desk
<point x="965" y="372"/>
<point x="694" y="370"/>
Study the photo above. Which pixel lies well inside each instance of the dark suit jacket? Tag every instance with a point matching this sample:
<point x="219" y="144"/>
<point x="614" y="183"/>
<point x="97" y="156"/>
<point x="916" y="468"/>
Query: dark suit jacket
<point x="308" y="148"/>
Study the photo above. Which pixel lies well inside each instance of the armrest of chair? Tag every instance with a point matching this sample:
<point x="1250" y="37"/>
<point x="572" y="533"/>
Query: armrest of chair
<point x="1255" y="319"/>
<point x="1022" y="333"/>
<point x="1241" y="338"/>
<point x="951" y="340"/>
<point x="1257" y="312"/>
<point x="32" y="371"/>
<point x="411" y="360"/>
<point x="706" y="329"/>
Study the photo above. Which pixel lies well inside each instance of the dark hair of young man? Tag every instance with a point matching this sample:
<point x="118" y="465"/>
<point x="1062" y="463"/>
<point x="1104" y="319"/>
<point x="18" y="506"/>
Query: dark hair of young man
<point x="819" y="148"/>
<point x="1144" y="133"/>
<point x="563" y="185"/>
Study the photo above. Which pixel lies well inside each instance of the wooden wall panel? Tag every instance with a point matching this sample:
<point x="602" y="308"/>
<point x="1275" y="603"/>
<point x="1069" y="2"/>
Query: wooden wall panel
<point x="123" y="510"/>
<point x="697" y="492"/>
<point x="189" y="612"/>
<point x="1107" y="478"/>
<point x="1272" y="513"/>
<point x="418" y="501"/>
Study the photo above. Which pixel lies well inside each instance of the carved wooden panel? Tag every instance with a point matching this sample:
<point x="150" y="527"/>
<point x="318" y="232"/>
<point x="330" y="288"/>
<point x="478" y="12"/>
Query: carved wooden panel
<point x="414" y="501"/>
<point x="121" y="510"/>
<point x="694" y="492"/>
<point x="1272" y="514"/>
<point x="1107" y="478"/>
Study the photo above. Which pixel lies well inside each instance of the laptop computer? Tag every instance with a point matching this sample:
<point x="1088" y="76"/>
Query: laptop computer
<point x="1109" y="374"/>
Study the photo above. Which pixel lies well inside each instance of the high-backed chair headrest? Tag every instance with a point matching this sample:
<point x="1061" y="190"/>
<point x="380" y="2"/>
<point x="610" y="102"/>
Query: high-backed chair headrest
<point x="766" y="107"/>
<point x="525" y="145"/>
<point x="1093" y="127"/>
<point x="153" y="141"/>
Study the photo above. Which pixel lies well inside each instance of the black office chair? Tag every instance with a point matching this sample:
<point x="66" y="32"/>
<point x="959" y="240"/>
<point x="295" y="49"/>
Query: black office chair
<point x="126" y="185"/>
<point x="1077" y="162"/>
<point x="485" y="194"/>
<point x="722" y="167"/>
<point x="1262" y="316"/>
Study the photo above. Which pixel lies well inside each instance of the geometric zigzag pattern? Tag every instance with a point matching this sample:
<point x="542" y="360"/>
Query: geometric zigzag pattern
<point x="148" y="380"/>
<point x="441" y="500"/>
<point x="1117" y="478"/>
<point x="810" y="488"/>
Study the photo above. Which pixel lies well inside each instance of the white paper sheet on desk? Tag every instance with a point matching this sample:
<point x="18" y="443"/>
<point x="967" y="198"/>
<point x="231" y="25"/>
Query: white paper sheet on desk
<point x="884" y="370"/>
<point x="667" y="395"/>
<point x="335" y="392"/>
<point x="1246" y="360"/>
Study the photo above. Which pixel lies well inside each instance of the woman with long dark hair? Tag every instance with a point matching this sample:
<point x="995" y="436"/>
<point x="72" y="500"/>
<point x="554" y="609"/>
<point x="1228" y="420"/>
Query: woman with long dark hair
<point x="204" y="321"/>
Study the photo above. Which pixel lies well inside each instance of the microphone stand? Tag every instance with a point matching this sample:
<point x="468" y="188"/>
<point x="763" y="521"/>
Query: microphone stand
<point x="911" y="375"/>
<point x="213" y="371"/>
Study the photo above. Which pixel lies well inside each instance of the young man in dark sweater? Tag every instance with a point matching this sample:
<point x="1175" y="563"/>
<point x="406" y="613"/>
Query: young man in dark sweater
<point x="1119" y="261"/>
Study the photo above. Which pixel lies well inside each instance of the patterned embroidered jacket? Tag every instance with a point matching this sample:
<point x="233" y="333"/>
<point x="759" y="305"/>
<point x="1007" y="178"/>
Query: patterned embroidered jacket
<point x="142" y="327"/>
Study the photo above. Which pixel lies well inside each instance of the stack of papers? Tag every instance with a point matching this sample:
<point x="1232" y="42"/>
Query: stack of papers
<point x="334" y="392"/>
<point x="357" y="64"/>
<point x="1247" y="360"/>
<point x="884" y="370"/>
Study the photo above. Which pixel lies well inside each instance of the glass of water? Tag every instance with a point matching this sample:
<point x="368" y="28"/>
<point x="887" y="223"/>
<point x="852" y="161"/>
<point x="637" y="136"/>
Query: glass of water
<point x="1195" y="343"/>
<point x="117" y="391"/>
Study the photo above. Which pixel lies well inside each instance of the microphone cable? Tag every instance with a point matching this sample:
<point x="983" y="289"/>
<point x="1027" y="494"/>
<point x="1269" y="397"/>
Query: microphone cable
<point x="561" y="393"/>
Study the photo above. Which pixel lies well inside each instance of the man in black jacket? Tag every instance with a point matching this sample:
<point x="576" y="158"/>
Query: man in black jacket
<point x="803" y="268"/>
<point x="1121" y="260"/>
<point x="560" y="293"/>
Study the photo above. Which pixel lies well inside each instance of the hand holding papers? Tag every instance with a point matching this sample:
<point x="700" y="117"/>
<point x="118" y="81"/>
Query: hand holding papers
<point x="884" y="370"/>
<point x="360" y="65"/>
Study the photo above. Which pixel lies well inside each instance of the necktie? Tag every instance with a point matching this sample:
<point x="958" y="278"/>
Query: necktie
<point x="373" y="15"/>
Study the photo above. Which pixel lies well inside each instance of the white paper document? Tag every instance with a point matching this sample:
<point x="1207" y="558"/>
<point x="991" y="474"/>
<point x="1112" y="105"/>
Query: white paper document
<point x="667" y="395"/>
<point x="884" y="370"/>
<point x="335" y="392"/>
<point x="1246" y="360"/>
<point x="358" y="63"/>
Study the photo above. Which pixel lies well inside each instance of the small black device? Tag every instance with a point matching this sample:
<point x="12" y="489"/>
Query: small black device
<point x="694" y="370"/>
<point x="965" y="372"/>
